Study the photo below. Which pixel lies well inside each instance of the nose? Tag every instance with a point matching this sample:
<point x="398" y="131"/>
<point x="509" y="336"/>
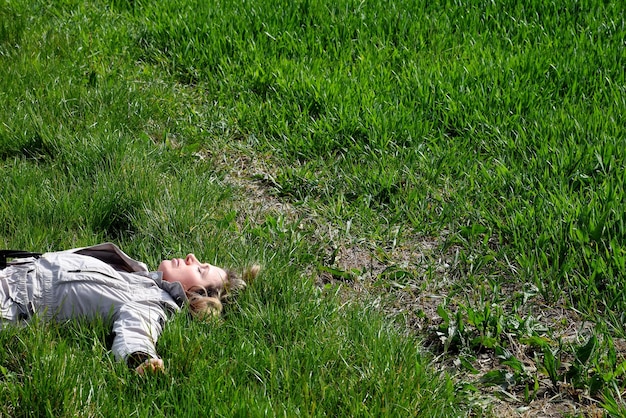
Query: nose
<point x="190" y="259"/>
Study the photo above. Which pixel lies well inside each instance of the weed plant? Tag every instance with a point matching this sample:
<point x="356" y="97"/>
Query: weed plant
<point x="492" y="127"/>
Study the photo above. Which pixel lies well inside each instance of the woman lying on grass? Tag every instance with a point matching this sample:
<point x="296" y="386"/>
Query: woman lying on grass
<point x="103" y="281"/>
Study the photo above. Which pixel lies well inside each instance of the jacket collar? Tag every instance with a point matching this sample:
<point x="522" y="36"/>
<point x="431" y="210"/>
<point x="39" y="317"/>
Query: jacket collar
<point x="175" y="289"/>
<point x="112" y="255"/>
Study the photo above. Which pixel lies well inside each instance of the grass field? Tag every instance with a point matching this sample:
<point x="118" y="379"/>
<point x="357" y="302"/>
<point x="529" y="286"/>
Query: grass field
<point x="435" y="191"/>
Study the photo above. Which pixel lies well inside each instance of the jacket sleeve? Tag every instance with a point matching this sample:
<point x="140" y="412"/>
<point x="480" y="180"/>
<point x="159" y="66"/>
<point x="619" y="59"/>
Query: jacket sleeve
<point x="136" y="327"/>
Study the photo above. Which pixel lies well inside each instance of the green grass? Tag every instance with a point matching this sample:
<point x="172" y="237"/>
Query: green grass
<point x="492" y="130"/>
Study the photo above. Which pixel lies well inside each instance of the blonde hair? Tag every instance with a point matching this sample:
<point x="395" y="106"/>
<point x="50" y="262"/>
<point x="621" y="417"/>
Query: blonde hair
<point x="207" y="303"/>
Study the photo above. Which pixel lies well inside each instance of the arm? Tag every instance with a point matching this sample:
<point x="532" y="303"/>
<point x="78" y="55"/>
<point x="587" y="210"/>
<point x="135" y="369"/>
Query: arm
<point x="137" y="326"/>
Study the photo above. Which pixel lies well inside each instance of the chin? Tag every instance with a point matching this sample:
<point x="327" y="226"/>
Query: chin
<point x="163" y="266"/>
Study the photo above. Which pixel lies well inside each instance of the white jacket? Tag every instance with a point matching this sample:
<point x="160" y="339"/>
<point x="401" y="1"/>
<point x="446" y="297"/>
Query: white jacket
<point x="97" y="281"/>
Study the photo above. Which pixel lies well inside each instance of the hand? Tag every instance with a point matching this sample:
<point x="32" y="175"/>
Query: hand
<point x="153" y="365"/>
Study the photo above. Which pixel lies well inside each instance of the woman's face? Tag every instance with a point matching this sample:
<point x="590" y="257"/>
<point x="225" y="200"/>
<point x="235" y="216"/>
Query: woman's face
<point x="190" y="273"/>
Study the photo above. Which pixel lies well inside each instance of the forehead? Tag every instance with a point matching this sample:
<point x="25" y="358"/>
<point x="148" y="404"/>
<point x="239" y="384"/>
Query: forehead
<point x="213" y="271"/>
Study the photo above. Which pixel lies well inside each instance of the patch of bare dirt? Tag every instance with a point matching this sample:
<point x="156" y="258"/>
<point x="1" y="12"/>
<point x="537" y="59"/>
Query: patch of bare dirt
<point x="425" y="278"/>
<point x="410" y="281"/>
